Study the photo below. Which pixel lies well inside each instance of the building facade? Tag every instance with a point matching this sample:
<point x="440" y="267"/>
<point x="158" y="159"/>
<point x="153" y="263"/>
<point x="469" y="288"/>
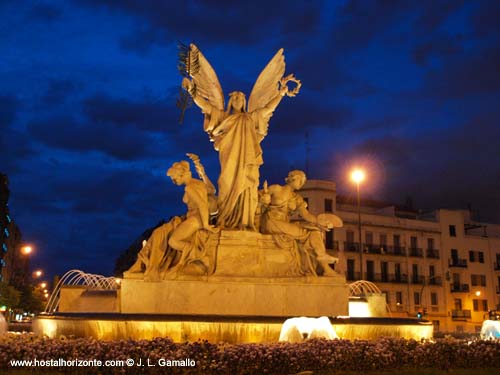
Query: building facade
<point x="439" y="264"/>
<point x="14" y="269"/>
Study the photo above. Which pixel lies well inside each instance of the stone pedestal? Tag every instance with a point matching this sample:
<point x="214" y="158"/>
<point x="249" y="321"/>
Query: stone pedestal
<point x="252" y="277"/>
<point x="237" y="296"/>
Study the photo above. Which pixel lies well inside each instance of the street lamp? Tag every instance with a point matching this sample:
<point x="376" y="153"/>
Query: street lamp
<point x="358" y="176"/>
<point x="26" y="250"/>
<point x="37" y="273"/>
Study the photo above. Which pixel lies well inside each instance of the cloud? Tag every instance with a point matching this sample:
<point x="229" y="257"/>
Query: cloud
<point x="9" y="106"/>
<point x="440" y="47"/>
<point x="46" y="12"/>
<point x="210" y="21"/>
<point x="65" y="133"/>
<point x="59" y="90"/>
<point x="465" y="76"/>
<point x="150" y="114"/>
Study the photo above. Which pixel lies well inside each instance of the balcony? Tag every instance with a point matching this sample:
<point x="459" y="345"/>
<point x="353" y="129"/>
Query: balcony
<point x="351" y="247"/>
<point x="416" y="252"/>
<point x="460" y="314"/>
<point x="399" y="278"/>
<point x="373" y="249"/>
<point x="432" y="253"/>
<point x="416" y="279"/>
<point x="435" y="280"/>
<point x="455" y="262"/>
<point x="395" y="250"/>
<point x="459" y="288"/>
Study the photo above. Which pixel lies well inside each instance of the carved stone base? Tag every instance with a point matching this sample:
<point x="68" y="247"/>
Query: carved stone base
<point x="236" y="296"/>
<point x="251" y="254"/>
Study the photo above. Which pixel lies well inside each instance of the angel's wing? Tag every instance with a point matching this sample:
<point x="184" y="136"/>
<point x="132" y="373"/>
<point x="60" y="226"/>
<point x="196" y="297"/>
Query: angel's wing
<point x="266" y="86"/>
<point x="204" y="77"/>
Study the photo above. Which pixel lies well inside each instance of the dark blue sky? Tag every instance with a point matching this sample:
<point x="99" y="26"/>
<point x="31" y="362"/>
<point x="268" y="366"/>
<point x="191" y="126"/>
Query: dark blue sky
<point x="409" y="89"/>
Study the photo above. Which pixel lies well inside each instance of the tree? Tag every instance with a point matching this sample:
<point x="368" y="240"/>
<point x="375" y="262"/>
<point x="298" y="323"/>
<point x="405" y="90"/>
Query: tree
<point x="9" y="296"/>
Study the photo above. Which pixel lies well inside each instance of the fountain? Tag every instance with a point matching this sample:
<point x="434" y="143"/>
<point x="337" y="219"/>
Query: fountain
<point x="236" y="266"/>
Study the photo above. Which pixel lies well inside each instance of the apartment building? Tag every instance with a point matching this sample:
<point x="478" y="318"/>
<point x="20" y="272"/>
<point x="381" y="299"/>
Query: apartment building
<point x="439" y="263"/>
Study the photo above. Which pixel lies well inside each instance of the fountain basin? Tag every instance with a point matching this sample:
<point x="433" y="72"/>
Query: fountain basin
<point x="230" y="329"/>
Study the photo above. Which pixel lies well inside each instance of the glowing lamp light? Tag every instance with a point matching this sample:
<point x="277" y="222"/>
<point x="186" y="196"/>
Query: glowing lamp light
<point x="478" y="293"/>
<point x="38" y="273"/>
<point x="26" y="250"/>
<point x="358" y="176"/>
<point x="43" y="285"/>
<point x="3" y="308"/>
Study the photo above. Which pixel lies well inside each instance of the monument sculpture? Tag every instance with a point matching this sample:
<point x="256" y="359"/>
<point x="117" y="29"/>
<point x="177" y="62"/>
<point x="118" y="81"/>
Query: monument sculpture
<point x="239" y="206"/>
<point x="237" y="131"/>
<point x="254" y="250"/>
<point x="279" y="203"/>
<point x="240" y="261"/>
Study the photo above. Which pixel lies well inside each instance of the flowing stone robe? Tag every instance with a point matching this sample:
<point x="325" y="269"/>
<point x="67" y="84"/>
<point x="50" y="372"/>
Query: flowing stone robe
<point x="237" y="137"/>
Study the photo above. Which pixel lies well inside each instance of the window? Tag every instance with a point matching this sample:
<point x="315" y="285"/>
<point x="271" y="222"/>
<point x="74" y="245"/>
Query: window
<point x="4" y="248"/>
<point x="480" y="304"/>
<point x="434" y="299"/>
<point x="432" y="273"/>
<point x="399" y="298"/>
<point x="349" y="236"/>
<point x="369" y="238"/>
<point x="383" y="239"/>
<point x="480" y="256"/>
<point x="453" y="231"/>
<point x="478" y="280"/>
<point x="482" y="280"/>
<point x="6" y="231"/>
<point x="329" y="239"/>
<point x="8" y="218"/>
<point x="328" y="205"/>
<point x="430" y="243"/>
<point x="471" y="256"/>
<point x="473" y="280"/>
<point x="413" y="242"/>
<point x="384" y="267"/>
<point x="350" y="269"/>
<point x="416" y="298"/>
<point x="370" y="270"/>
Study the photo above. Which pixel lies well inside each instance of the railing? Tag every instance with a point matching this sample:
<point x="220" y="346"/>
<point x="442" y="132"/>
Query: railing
<point x="435" y="280"/>
<point x="351" y="247"/>
<point x="432" y="253"/>
<point x="372" y="249"/>
<point x="399" y="279"/>
<point x="455" y="262"/>
<point x="460" y="314"/>
<point x="416" y="279"/>
<point x="396" y="250"/>
<point x="416" y="252"/>
<point x="459" y="288"/>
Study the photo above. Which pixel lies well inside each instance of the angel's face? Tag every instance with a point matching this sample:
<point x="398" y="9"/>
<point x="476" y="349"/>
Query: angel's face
<point x="238" y="102"/>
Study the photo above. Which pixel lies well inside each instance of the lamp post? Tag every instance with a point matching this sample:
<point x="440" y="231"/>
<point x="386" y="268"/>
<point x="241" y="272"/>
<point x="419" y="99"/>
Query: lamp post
<point x="358" y="176"/>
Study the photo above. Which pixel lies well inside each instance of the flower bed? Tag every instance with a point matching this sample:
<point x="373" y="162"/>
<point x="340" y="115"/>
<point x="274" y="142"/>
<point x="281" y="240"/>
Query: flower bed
<point x="319" y="356"/>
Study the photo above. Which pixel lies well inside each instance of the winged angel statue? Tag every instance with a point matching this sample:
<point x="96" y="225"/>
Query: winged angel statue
<point x="237" y="130"/>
